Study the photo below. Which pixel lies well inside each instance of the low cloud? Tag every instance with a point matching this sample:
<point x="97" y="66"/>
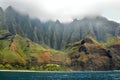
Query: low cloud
<point x="65" y="10"/>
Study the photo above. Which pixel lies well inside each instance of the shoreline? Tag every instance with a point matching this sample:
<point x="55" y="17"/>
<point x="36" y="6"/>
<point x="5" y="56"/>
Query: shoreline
<point x="55" y="71"/>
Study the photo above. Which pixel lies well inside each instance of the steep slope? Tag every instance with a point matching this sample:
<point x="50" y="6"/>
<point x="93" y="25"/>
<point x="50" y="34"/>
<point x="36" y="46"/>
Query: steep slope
<point x="15" y="49"/>
<point x="88" y="54"/>
<point x="54" y="33"/>
<point x="115" y="48"/>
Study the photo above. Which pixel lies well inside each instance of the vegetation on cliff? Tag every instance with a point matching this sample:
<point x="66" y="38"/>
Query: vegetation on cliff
<point x="54" y="33"/>
<point x="27" y="43"/>
<point x="93" y="55"/>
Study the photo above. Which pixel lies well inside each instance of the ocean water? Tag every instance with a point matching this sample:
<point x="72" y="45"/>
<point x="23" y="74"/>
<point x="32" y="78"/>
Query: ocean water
<point x="27" y="75"/>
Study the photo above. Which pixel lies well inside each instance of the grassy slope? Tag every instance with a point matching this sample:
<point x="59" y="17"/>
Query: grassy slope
<point x="17" y="49"/>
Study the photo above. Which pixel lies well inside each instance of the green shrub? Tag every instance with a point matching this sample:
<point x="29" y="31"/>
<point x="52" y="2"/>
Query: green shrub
<point x="32" y="68"/>
<point x="1" y="66"/>
<point x="8" y="66"/>
<point x="52" y="67"/>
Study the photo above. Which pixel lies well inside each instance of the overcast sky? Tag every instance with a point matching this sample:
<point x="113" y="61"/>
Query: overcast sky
<point x="66" y="10"/>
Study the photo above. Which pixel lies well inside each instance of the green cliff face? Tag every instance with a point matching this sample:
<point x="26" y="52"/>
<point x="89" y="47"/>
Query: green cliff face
<point x="30" y="42"/>
<point x="56" y="34"/>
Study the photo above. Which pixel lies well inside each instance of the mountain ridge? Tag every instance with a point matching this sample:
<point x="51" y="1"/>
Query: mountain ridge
<point x="56" y="34"/>
<point x="18" y="52"/>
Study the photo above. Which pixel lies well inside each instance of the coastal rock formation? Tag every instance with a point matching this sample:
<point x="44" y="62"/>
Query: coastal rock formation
<point x="93" y="56"/>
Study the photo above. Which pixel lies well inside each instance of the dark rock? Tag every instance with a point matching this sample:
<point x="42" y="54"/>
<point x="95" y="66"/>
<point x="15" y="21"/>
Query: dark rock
<point x="82" y="42"/>
<point x="4" y="36"/>
<point x="108" y="54"/>
<point x="84" y="49"/>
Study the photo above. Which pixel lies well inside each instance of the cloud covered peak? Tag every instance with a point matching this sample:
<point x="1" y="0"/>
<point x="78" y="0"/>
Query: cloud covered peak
<point x="65" y="10"/>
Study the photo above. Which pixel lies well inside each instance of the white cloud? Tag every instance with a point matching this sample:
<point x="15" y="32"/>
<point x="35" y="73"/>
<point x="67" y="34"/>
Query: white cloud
<point x="66" y="10"/>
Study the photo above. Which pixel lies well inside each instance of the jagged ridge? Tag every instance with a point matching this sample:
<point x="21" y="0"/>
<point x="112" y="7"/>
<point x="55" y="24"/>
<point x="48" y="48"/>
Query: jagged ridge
<point x="56" y="34"/>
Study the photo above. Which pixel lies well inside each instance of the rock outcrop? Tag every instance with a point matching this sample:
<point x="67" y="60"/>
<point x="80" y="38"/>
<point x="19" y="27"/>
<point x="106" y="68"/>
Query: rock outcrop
<point x="91" y="55"/>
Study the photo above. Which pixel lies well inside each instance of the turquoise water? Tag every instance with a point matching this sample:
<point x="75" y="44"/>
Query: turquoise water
<point x="99" y="75"/>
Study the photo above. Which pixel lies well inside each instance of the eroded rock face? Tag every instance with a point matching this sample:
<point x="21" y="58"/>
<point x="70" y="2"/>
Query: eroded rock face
<point x="115" y="48"/>
<point x="45" y="57"/>
<point x="94" y="56"/>
<point x="84" y="49"/>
